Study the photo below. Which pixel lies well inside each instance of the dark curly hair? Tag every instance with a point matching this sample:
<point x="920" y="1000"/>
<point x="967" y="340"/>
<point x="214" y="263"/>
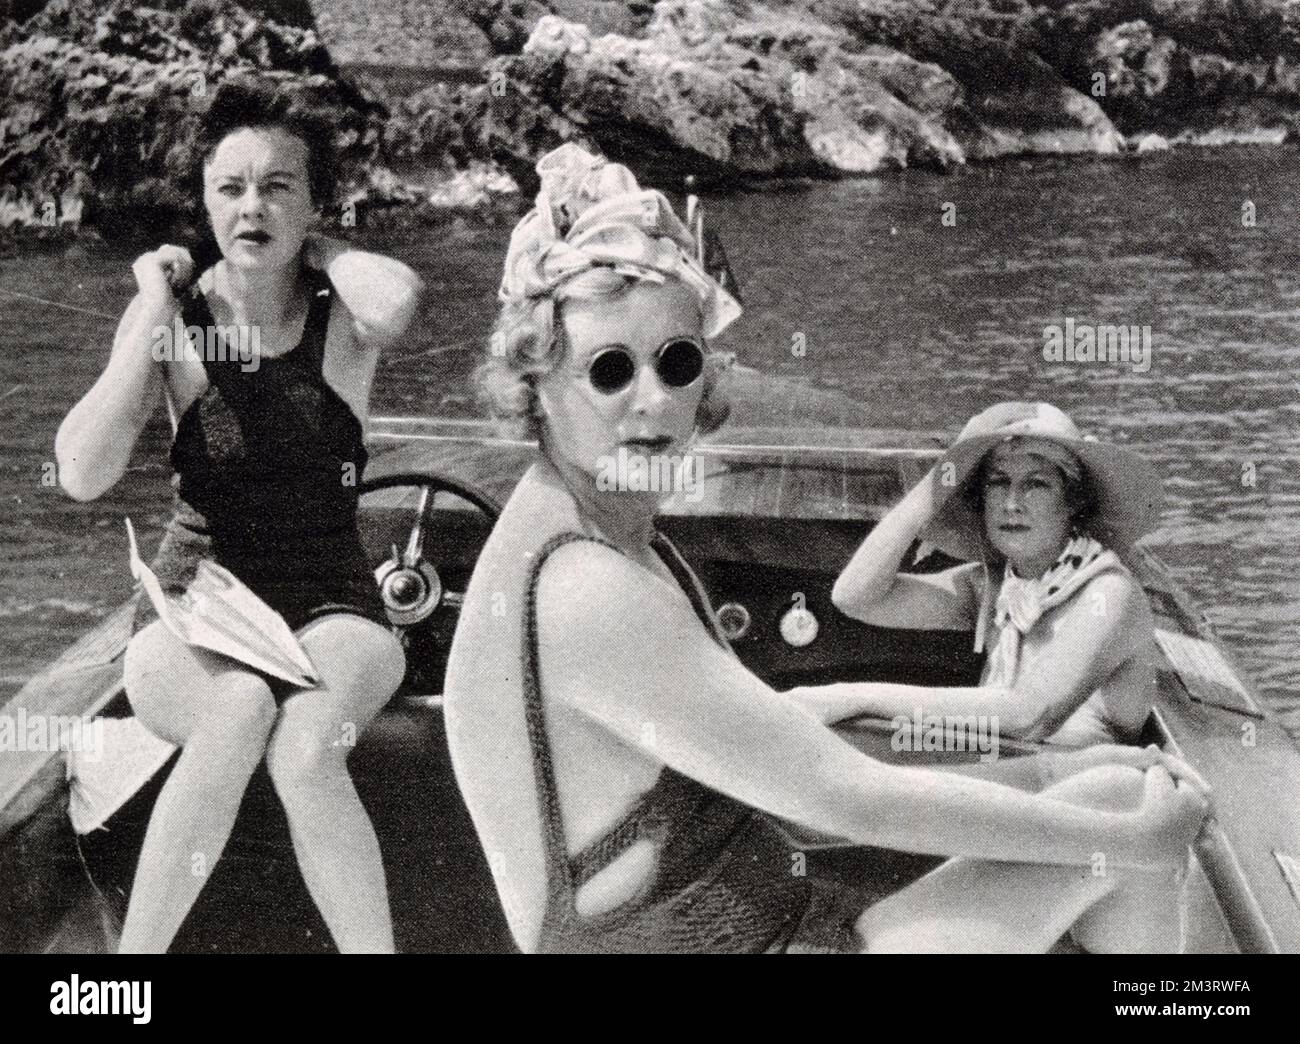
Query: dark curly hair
<point x="245" y="102"/>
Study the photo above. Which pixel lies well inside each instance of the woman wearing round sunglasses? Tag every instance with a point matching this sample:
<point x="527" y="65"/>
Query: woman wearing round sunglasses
<point x="618" y="760"/>
<point x="678" y="363"/>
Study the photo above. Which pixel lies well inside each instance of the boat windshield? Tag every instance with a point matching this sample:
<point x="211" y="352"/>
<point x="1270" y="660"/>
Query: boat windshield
<point x="792" y="449"/>
<point x="784" y="485"/>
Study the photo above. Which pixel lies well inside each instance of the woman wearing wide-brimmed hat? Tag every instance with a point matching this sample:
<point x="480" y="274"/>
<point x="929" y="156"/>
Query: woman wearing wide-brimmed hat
<point x="1041" y="513"/>
<point x="619" y="761"/>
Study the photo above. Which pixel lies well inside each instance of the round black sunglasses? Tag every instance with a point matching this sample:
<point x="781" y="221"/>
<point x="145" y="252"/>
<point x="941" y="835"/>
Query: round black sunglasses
<point x="678" y="363"/>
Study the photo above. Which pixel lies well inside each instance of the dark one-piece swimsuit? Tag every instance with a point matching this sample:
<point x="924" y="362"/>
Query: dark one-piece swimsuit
<point x="726" y="879"/>
<point x="266" y="463"/>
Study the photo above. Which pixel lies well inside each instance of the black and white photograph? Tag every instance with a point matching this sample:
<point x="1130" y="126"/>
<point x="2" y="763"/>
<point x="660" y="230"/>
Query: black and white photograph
<point x="616" y="476"/>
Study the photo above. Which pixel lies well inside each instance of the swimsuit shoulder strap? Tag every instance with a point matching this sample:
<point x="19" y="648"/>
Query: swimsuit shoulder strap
<point x="559" y="870"/>
<point x="656" y="806"/>
<point x="195" y="312"/>
<point x="311" y="349"/>
<point x="690" y="583"/>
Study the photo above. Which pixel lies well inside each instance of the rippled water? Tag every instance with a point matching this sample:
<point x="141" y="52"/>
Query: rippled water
<point x="921" y="322"/>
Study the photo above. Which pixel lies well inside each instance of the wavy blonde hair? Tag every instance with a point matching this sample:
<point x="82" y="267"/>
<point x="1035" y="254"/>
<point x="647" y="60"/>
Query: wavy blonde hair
<point x="526" y="345"/>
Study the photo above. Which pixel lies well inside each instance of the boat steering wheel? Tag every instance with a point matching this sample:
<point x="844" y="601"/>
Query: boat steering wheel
<point x="409" y="584"/>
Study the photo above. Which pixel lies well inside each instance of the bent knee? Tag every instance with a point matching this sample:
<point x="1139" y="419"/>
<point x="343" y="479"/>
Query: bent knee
<point x="154" y="657"/>
<point x="241" y="703"/>
<point x="306" y="763"/>
<point x="356" y="652"/>
<point x="176" y="691"/>
<point x="1114" y="788"/>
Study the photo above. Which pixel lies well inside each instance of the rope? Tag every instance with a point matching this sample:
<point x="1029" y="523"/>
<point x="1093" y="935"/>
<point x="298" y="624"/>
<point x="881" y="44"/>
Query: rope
<point x="59" y="304"/>
<point x="456" y="346"/>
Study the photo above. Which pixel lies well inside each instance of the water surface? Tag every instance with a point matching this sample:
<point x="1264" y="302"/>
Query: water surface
<point x="922" y="323"/>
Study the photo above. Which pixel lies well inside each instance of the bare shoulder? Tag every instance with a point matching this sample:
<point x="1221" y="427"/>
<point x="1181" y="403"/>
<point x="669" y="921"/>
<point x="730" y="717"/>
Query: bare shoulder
<point x="1118" y="603"/>
<point x="578" y="583"/>
<point x="588" y="592"/>
<point x="1120" y="589"/>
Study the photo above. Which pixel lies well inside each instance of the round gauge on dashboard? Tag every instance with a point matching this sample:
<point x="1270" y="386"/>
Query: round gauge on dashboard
<point x="734" y="619"/>
<point x="799" y="627"/>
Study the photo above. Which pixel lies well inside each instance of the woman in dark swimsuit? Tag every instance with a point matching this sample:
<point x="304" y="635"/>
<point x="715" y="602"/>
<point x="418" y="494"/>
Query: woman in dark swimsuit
<point x="267" y="453"/>
<point x="620" y="762"/>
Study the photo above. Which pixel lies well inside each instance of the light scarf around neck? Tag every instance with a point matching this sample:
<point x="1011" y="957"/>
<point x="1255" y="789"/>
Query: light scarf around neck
<point x="1021" y="602"/>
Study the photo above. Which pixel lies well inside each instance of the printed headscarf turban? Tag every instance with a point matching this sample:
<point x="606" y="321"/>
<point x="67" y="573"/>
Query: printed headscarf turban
<point x="591" y="213"/>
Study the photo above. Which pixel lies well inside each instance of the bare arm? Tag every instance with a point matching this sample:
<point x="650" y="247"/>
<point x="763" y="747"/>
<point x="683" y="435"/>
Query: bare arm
<point x="624" y="649"/>
<point x="1037" y="772"/>
<point x="840" y="701"/>
<point x="381" y="294"/>
<point x="94" y="443"/>
<point x="1016" y="712"/>
<point x="871" y="588"/>
<point x="1032" y="773"/>
<point x="1107" y="623"/>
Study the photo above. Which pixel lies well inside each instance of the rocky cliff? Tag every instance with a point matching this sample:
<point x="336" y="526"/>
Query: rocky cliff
<point x="452" y="96"/>
<point x="100" y="101"/>
<point x="828" y="87"/>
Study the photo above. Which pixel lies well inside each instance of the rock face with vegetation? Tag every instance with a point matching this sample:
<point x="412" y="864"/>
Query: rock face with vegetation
<point x="828" y="87"/>
<point x="101" y="100"/>
<point x="459" y="97"/>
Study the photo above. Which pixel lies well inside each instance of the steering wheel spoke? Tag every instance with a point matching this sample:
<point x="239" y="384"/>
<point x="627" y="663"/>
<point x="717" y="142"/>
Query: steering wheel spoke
<point x="415" y="542"/>
<point x="410" y="584"/>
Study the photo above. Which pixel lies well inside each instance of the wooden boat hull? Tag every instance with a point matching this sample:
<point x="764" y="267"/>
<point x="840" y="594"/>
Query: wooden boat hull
<point x="441" y="893"/>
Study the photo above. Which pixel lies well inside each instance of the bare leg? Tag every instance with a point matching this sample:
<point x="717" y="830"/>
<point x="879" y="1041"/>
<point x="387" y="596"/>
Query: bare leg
<point x="221" y="716"/>
<point x="361" y="665"/>
<point x="978" y="906"/>
<point x="1147" y="912"/>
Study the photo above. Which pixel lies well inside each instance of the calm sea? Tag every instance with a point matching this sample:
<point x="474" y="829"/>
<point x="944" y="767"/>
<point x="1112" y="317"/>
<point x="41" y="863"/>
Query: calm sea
<point x="922" y="321"/>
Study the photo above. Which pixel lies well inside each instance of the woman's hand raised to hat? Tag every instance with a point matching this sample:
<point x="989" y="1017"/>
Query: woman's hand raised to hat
<point x="938" y="488"/>
<point x="872" y="589"/>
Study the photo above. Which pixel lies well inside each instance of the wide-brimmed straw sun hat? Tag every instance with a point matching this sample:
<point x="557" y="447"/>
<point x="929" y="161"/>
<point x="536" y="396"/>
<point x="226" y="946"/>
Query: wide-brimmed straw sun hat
<point x="1128" y="488"/>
